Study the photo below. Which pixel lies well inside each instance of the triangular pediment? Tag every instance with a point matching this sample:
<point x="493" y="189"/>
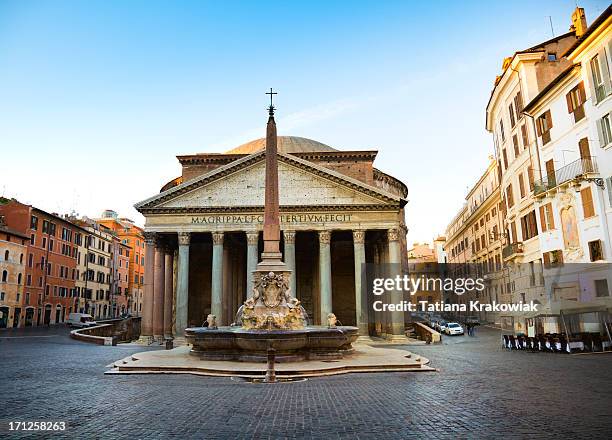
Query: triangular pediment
<point x="242" y="184"/>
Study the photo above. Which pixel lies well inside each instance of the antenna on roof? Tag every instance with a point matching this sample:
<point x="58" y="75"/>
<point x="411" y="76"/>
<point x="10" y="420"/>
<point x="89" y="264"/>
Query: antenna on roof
<point x="552" y="30"/>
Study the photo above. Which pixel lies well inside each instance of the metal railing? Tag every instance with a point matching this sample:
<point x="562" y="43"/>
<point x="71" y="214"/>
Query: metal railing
<point x="512" y="249"/>
<point x="586" y="165"/>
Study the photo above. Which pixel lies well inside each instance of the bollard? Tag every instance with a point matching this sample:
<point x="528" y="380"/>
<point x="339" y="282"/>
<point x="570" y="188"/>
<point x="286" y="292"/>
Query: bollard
<point x="270" y="374"/>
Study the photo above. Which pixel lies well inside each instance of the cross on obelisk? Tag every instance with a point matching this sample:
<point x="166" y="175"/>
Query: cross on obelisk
<point x="271" y="93"/>
<point x="271" y="255"/>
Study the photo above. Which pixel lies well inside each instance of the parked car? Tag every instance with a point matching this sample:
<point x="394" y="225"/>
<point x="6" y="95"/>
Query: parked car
<point x="441" y="326"/>
<point x="80" y="320"/>
<point x="453" y="328"/>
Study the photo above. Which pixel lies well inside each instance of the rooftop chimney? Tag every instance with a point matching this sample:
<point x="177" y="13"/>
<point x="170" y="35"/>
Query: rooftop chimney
<point x="579" y="23"/>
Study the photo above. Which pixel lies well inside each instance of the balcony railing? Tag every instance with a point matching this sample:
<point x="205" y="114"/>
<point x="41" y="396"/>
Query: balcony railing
<point x="511" y="250"/>
<point x="586" y="165"/>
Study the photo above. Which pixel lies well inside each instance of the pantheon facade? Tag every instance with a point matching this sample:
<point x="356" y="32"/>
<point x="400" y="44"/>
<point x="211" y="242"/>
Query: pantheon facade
<point x="203" y="235"/>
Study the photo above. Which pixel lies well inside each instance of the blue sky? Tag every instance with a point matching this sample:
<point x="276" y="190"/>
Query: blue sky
<point x="97" y="97"/>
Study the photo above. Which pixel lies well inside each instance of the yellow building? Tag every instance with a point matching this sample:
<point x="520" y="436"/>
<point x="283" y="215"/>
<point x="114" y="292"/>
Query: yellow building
<point x="474" y="243"/>
<point x="13" y="251"/>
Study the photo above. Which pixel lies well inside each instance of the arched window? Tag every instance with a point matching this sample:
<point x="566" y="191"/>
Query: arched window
<point x="6" y="255"/>
<point x="4" y="275"/>
<point x="19" y="279"/>
<point x="21" y="259"/>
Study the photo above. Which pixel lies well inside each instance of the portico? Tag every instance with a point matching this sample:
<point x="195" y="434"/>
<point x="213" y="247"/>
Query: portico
<point x="206" y="234"/>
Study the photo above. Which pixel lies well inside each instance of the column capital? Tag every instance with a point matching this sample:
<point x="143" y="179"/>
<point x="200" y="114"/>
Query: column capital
<point x="325" y="237"/>
<point x="358" y="236"/>
<point x="150" y="238"/>
<point x="252" y="238"/>
<point x="217" y="237"/>
<point x="393" y="234"/>
<point x="289" y="237"/>
<point x="184" y="238"/>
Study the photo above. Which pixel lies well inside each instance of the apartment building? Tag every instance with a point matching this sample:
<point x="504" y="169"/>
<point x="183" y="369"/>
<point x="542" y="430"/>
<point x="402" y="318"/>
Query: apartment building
<point x="49" y="293"/>
<point x="474" y="241"/>
<point x="13" y="255"/>
<point x="573" y="196"/>
<point x="131" y="236"/>
<point x="423" y="263"/>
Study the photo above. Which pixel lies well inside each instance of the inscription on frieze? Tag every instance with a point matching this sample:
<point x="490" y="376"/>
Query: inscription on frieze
<point x="259" y="218"/>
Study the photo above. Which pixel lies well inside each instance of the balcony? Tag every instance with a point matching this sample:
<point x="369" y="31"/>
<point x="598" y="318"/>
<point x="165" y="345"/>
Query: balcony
<point x="512" y="251"/>
<point x="576" y="169"/>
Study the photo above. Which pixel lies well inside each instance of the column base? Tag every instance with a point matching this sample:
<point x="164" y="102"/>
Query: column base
<point x="396" y="338"/>
<point x="145" y="340"/>
<point x="179" y="341"/>
<point x="363" y="329"/>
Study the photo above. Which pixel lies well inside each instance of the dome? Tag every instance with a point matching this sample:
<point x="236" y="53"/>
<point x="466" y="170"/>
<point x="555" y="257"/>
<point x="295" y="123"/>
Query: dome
<point x="286" y="144"/>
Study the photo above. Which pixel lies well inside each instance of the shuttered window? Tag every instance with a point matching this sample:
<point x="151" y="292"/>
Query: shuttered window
<point x="575" y="100"/>
<point x="543" y="126"/>
<point x="547" y="221"/>
<point x="524" y="136"/>
<point x="522" y="185"/>
<point x="587" y="202"/>
<point x="509" y="196"/>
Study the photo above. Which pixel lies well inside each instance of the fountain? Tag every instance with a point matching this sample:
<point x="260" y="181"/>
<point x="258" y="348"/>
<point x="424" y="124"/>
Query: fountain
<point x="271" y="318"/>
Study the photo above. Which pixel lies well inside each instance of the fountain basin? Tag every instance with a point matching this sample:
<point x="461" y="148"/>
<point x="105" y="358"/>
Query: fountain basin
<point x="239" y="344"/>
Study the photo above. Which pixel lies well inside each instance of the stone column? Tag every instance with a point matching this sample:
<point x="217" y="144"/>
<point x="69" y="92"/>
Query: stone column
<point x="325" y="285"/>
<point x="395" y="258"/>
<point x="168" y="284"/>
<point x="182" y="284"/>
<point x="361" y="303"/>
<point x="147" y="300"/>
<point x="158" y="293"/>
<point x="290" y="259"/>
<point x="252" y="258"/>
<point x="217" y="276"/>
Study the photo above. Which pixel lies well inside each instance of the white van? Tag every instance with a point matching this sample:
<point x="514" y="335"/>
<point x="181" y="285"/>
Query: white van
<point x="80" y="320"/>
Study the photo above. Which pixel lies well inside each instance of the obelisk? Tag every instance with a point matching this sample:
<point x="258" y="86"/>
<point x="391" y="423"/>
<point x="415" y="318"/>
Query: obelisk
<point x="271" y="257"/>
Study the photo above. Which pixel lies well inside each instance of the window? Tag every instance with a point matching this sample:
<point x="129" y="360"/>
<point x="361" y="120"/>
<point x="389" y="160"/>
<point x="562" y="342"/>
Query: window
<point x="604" y="130"/>
<point x="501" y="130"/>
<point x="2" y="296"/>
<point x="522" y="185"/>
<point x="32" y="239"/>
<point x="6" y="255"/>
<point x="543" y="126"/>
<point x="518" y="105"/>
<point x="4" y="276"/>
<point x="575" y="100"/>
<point x="34" y="222"/>
<point x="509" y="197"/>
<point x="511" y="113"/>
<point x="553" y="258"/>
<point x="551" y="178"/>
<point x="51" y="245"/>
<point x="595" y="250"/>
<point x="587" y="202"/>
<point x="515" y="143"/>
<point x="19" y="277"/>
<point x="598" y="83"/>
<point x="601" y="288"/>
<point x="552" y="56"/>
<point x="30" y="260"/>
<point x="530" y="177"/>
<point x="547" y="221"/>
<point x="505" y="155"/>
<point x="529" y="226"/>
<point x="524" y="136"/>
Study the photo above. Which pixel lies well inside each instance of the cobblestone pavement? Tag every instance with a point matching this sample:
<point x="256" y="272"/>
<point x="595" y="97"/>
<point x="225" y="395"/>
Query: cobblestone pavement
<point x="481" y="391"/>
